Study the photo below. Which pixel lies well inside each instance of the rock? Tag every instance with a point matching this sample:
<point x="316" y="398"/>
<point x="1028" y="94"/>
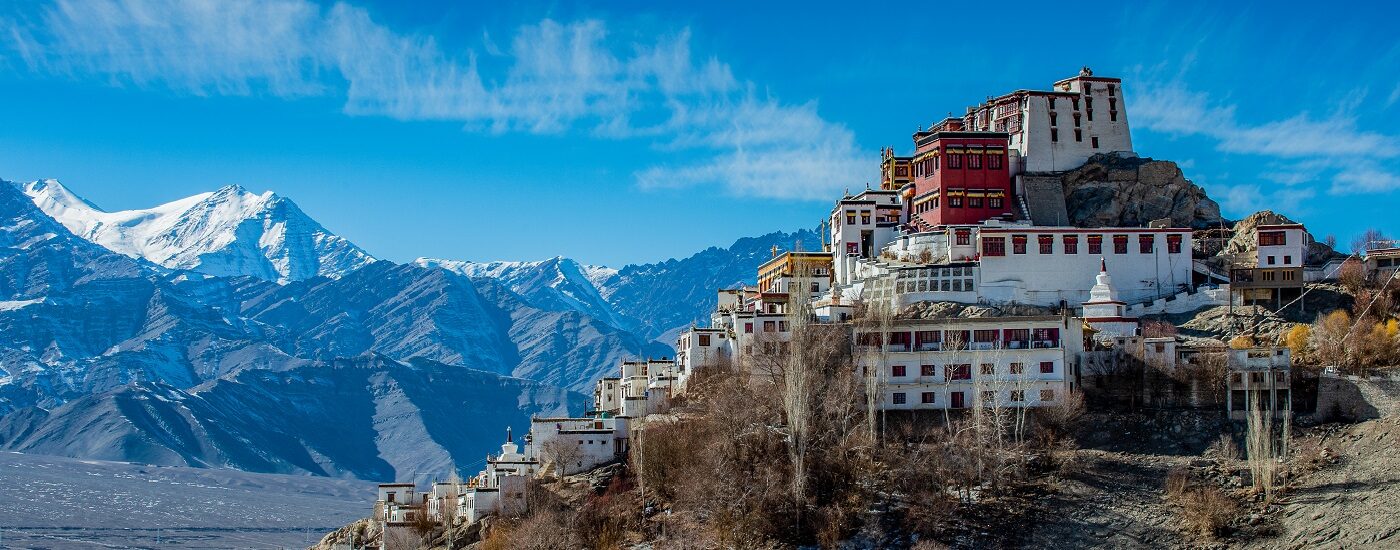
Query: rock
<point x="1116" y="191"/>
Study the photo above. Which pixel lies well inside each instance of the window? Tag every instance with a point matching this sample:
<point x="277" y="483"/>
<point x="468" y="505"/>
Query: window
<point x="985" y="335"/>
<point x="865" y="216"/>
<point x="1095" y="244"/>
<point x="974" y="202"/>
<point x="954" y="202"/>
<point x="1273" y="238"/>
<point x="959" y="372"/>
<point x="1173" y="244"/>
<point x="1053" y="118"/>
<point x="928" y="370"/>
<point x="1017" y="338"/>
<point x="1047" y="395"/>
<point x="1018" y="396"/>
<point x="1047" y="367"/>
<point x="1120" y="244"/>
<point x="899" y="398"/>
<point x="994" y="161"/>
<point x="816" y="287"/>
<point x="955" y="160"/>
<point x="1071" y="244"/>
<point x="1287" y="259"/>
<point x="994" y="203"/>
<point x="704" y="340"/>
<point x="1074" y="102"/>
<point x="1271" y="260"/>
<point x="1018" y="368"/>
<point x="989" y="397"/>
<point x="974" y="161"/>
<point x="1052" y="102"/>
<point x="1145" y="243"/>
<point x="963" y="236"/>
<point x="1047" y="244"/>
<point x="993" y="246"/>
<point x="897" y="371"/>
<point x="1093" y="140"/>
<point x="987" y="369"/>
<point x="748" y="328"/>
<point x="782" y="326"/>
<point x="1266" y="276"/>
<point x="1078" y="134"/>
<point x="770" y="326"/>
<point x="926" y="398"/>
<point x="1111" y="89"/>
<point x="1290" y="275"/>
<point x="850" y="217"/>
<point x="1076" y="123"/>
<point x="1018" y="244"/>
<point x="1054" y="134"/>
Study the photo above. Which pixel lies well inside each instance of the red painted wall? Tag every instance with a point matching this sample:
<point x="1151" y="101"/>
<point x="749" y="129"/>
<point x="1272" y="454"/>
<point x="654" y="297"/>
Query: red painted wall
<point x="945" y="178"/>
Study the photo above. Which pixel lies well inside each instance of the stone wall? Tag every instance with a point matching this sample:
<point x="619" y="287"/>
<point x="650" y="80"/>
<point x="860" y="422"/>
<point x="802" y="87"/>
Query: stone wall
<point x="1354" y="398"/>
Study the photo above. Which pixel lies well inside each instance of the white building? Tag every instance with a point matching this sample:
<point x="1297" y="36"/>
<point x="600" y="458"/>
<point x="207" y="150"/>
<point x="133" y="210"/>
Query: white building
<point x="565" y="446"/>
<point x="1284" y="245"/>
<point x="1058" y="129"/>
<point x="397" y="503"/>
<point x="861" y="226"/>
<point x="981" y="362"/>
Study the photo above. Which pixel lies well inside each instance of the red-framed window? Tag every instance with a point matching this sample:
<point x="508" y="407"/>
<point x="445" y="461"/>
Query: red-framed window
<point x="959" y="372"/>
<point x="1071" y="244"/>
<point x="897" y="371"/>
<point x="1047" y="244"/>
<point x="928" y="370"/>
<point x="955" y="160"/>
<point x="1018" y="244"/>
<point x="963" y="236"/>
<point x="1047" y="367"/>
<point x="1095" y="244"/>
<point x="993" y="246"/>
<point x="1273" y="238"/>
<point x="994" y="161"/>
<point x="926" y="397"/>
<point x="1120" y="244"/>
<point x="1173" y="244"/>
<point x="1145" y="243"/>
<point x="974" y="161"/>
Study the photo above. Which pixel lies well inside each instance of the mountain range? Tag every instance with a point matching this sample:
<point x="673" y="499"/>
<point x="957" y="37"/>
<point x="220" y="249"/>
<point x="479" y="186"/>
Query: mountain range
<point x="185" y="334"/>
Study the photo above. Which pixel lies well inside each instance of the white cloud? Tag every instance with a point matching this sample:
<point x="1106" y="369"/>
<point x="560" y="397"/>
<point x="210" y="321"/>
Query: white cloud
<point x="1311" y="146"/>
<point x="556" y="78"/>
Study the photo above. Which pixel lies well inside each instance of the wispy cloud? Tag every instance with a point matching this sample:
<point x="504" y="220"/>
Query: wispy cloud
<point x="1331" y="149"/>
<point x="557" y="77"/>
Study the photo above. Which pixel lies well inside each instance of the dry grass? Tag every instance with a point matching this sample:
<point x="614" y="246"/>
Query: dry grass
<point x="1206" y="511"/>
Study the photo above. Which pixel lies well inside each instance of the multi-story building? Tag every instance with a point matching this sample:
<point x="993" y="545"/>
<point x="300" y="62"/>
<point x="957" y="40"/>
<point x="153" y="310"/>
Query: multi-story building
<point x="1259" y="379"/>
<point x="1058" y="129"/>
<point x="1277" y="273"/>
<point x="980" y="362"/>
<point x="960" y="176"/>
<point x="809" y="271"/>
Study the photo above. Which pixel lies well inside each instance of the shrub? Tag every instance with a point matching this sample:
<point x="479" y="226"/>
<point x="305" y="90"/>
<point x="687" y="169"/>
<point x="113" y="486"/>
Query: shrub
<point x="1207" y="511"/>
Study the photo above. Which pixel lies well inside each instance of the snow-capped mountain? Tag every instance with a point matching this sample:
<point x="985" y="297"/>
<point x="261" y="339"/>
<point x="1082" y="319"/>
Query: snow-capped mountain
<point x="108" y="355"/>
<point x="557" y="284"/>
<point x="226" y="232"/>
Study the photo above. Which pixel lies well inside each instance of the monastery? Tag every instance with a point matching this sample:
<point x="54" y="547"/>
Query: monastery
<point x="975" y="216"/>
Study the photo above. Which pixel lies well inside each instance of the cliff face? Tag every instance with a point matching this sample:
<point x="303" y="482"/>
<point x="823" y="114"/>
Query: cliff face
<point x="1112" y="191"/>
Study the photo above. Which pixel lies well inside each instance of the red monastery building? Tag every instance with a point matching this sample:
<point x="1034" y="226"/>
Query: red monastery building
<point x="959" y="177"/>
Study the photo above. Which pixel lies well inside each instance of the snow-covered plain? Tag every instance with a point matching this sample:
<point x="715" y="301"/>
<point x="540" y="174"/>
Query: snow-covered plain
<point x="52" y="502"/>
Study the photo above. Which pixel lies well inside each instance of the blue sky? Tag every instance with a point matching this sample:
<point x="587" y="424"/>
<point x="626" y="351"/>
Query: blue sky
<point x="626" y="132"/>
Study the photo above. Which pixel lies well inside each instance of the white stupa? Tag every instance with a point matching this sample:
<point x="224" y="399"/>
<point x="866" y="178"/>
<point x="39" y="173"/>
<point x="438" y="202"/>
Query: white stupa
<point x="1104" y="311"/>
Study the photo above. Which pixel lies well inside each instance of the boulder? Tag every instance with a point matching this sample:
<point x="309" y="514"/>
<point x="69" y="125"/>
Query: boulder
<point x="1121" y="191"/>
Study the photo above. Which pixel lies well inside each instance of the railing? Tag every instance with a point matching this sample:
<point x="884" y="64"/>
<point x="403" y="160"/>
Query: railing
<point x="1045" y="344"/>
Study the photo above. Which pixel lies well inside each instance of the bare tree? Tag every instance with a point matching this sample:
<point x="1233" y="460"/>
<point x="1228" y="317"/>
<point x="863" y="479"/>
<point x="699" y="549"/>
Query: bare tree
<point x="561" y="455"/>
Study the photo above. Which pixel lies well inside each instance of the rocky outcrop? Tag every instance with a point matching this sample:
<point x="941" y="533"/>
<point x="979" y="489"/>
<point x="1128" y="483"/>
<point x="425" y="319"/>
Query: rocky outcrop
<point x="1117" y="191"/>
<point x="954" y="310"/>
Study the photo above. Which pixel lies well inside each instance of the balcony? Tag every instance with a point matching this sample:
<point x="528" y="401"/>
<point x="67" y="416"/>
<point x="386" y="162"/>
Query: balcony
<point x="1045" y="344"/>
